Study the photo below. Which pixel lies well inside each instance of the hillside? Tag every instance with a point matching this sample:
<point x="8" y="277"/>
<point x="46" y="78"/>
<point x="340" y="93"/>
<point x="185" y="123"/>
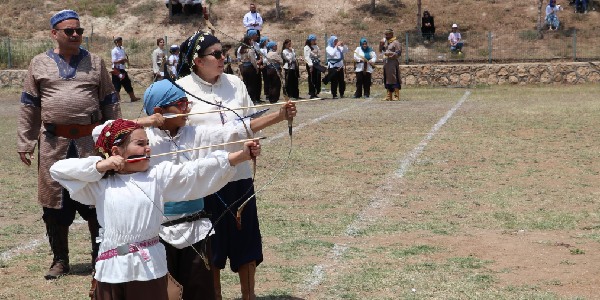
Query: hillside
<point x="149" y="18"/>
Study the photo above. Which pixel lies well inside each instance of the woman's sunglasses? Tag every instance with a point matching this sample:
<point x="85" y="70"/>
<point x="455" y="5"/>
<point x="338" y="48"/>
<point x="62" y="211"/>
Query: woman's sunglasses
<point x="71" y="31"/>
<point x="218" y="54"/>
<point x="182" y="105"/>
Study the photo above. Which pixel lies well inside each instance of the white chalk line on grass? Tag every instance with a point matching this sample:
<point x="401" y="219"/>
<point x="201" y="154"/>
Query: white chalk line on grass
<point x="375" y="207"/>
<point x="9" y="254"/>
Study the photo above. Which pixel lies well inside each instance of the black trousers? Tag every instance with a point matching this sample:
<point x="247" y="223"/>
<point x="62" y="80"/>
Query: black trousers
<point x="252" y="81"/>
<point x="314" y="81"/>
<point x="125" y="82"/>
<point x="363" y="82"/>
<point x="291" y="83"/>
<point x="337" y="81"/>
<point x="274" y="84"/>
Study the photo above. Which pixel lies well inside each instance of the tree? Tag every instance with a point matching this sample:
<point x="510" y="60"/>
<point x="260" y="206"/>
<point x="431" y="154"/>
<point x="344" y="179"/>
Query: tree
<point x="372" y="6"/>
<point x="277" y="10"/>
<point x="419" y="15"/>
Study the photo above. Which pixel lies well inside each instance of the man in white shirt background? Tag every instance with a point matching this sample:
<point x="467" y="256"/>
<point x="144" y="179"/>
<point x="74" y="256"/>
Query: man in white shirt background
<point x="253" y="20"/>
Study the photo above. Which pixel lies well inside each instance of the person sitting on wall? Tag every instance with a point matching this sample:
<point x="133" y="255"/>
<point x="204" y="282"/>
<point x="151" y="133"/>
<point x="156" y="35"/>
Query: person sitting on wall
<point x="455" y="40"/>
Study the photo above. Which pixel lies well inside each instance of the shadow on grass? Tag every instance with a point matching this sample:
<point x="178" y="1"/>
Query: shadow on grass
<point x="81" y="269"/>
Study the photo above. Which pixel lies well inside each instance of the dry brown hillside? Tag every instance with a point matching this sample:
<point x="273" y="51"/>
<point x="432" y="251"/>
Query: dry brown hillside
<point x="348" y="18"/>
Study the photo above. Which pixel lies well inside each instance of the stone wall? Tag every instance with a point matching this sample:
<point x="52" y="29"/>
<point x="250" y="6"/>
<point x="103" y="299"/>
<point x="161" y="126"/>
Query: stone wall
<point x="431" y="75"/>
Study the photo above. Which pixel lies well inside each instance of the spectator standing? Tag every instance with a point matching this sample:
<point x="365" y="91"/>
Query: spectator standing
<point x="158" y="58"/>
<point x="335" y="66"/>
<point x="427" y="26"/>
<point x="455" y="40"/>
<point x="273" y="70"/>
<point x="243" y="245"/>
<point x="365" y="58"/>
<point x="173" y="60"/>
<point x="551" y="17"/>
<point x="176" y="6"/>
<point x="252" y="20"/>
<point x="581" y="6"/>
<point x="290" y="67"/>
<point x="227" y="69"/>
<point x="67" y="92"/>
<point x="312" y="57"/>
<point x="251" y="66"/>
<point x="262" y="47"/>
<point x="120" y="78"/>
<point x="392" y="51"/>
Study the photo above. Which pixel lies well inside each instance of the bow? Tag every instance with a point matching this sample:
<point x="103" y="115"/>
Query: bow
<point x="290" y="123"/>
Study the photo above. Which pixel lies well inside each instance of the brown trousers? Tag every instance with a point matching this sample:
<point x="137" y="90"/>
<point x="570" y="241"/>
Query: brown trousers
<point x="155" y="289"/>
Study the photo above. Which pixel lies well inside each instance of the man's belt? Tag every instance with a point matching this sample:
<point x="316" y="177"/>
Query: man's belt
<point x="191" y="218"/>
<point x="128" y="248"/>
<point x="70" y="131"/>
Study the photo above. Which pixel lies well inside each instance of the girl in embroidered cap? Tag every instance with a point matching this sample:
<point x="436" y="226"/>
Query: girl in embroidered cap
<point x="203" y="55"/>
<point x="132" y="263"/>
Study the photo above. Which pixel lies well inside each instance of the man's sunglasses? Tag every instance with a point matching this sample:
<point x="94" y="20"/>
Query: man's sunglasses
<point x="182" y="105"/>
<point x="218" y="54"/>
<point x="71" y="31"/>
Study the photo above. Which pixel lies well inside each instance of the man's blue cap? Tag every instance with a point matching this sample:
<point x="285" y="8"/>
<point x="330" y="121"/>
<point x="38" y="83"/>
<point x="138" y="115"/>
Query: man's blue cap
<point x="63" y="15"/>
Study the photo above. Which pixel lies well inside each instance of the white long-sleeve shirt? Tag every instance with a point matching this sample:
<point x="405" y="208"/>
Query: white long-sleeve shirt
<point x="116" y="54"/>
<point x="336" y="53"/>
<point x="310" y="54"/>
<point x="129" y="206"/>
<point x="157" y="60"/>
<point x="289" y="56"/>
<point x="252" y="18"/>
<point x="229" y="91"/>
<point x="188" y="233"/>
<point x="359" y="55"/>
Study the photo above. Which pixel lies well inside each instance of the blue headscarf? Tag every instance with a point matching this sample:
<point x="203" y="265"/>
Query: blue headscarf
<point x="331" y="41"/>
<point x="271" y="45"/>
<point x="263" y="39"/>
<point x="367" y="51"/>
<point x="312" y="37"/>
<point x="252" y="32"/>
<point x="159" y="94"/>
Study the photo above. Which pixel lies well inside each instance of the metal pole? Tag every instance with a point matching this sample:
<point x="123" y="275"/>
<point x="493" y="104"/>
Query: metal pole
<point x="406" y="48"/>
<point x="574" y="44"/>
<point x="87" y="43"/>
<point x="9" y="53"/>
<point x="489" y="47"/>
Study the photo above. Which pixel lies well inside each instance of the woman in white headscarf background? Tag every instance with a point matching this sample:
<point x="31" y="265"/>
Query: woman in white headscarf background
<point x="335" y="66"/>
<point x="273" y="81"/>
<point x="290" y="66"/>
<point x="365" y="58"/>
<point x="312" y="57"/>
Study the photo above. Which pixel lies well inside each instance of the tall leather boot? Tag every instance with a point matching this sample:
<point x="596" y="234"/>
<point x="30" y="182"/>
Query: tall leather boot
<point x="246" y="273"/>
<point x="397" y="94"/>
<point x="389" y="96"/>
<point x="58" y="236"/>
<point x="217" y="282"/>
<point x="132" y="97"/>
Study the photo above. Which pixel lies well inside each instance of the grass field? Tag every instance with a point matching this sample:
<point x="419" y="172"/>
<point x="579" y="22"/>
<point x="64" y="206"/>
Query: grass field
<point x="484" y="193"/>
